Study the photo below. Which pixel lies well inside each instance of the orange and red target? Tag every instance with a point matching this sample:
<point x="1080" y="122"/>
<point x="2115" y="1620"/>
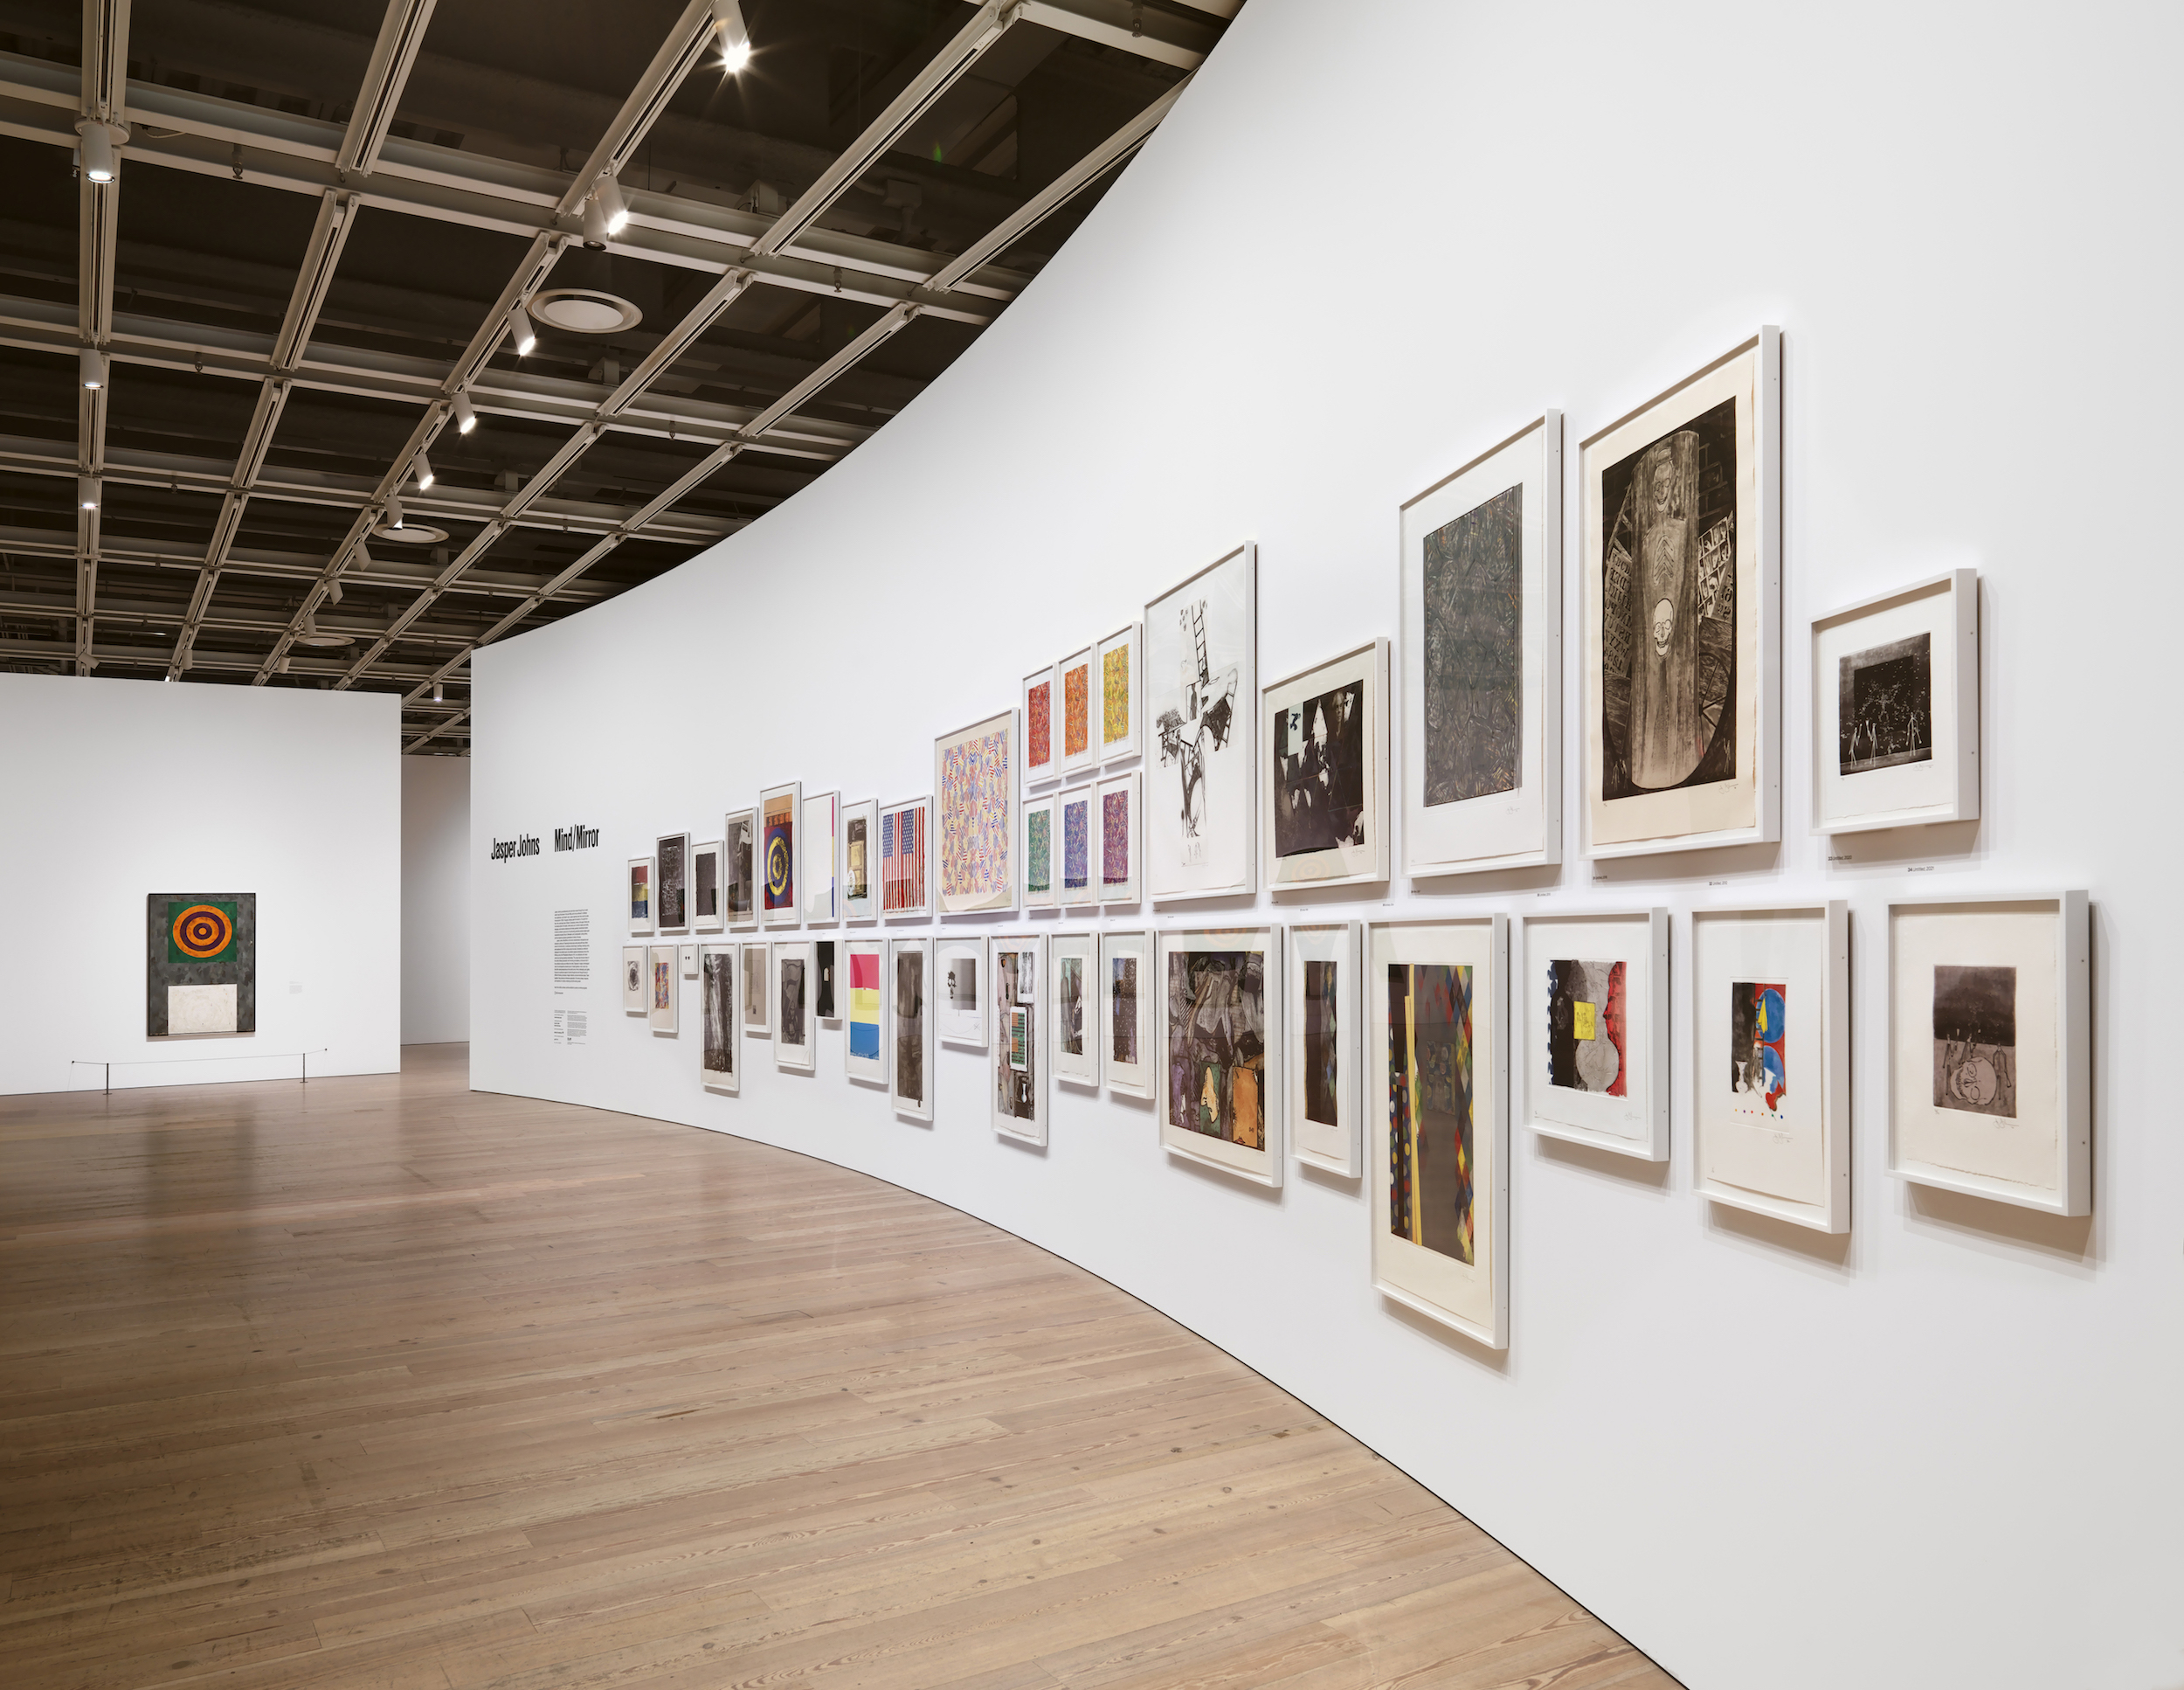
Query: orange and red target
<point x="203" y="930"/>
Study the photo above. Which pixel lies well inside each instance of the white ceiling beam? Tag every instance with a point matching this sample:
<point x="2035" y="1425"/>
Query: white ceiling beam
<point x="401" y="33"/>
<point x="105" y="61"/>
<point x="1118" y="23"/>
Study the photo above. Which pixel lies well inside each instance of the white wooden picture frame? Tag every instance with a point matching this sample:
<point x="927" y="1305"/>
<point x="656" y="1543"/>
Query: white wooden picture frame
<point x="911" y="1027"/>
<point x="1990" y="1048"/>
<point x="1593" y="1006"/>
<point x="1126" y="1048"/>
<point x="1076" y="713"/>
<point x="1441" y="1248"/>
<point x="754" y="976"/>
<point x="1118" y="674"/>
<point x="1771" y="1090"/>
<point x="860" y="861"/>
<point x="636" y="981"/>
<point x="975" y="801"/>
<point x="778" y="856"/>
<point x="867" y="1030"/>
<point x="1207" y="997"/>
<point x="1471" y="800"/>
<point x="671" y="883"/>
<point x="663" y="977"/>
<point x="708" y="895"/>
<point x="720" y="1018"/>
<point x="1016" y="1071"/>
<point x="1201" y="768"/>
<point x="1039" y="851"/>
<point x="821" y="893"/>
<point x="740" y="855"/>
<point x="906" y="860"/>
<point x="1896" y="707"/>
<point x="1073" y="969"/>
<point x="796" y="1006"/>
<point x="1324" y="980"/>
<point x="1040" y="700"/>
<point x="1076" y="846"/>
<point x="1118" y="812"/>
<point x="640" y="884"/>
<point x="962" y="984"/>
<point x="1324" y="779"/>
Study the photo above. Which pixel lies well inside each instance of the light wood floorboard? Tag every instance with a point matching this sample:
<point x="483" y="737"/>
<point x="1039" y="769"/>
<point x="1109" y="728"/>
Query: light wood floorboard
<point x="382" y="1384"/>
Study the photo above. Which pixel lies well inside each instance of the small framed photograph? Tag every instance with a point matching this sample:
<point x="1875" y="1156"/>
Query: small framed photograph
<point x="671" y="884"/>
<point x="659" y="1008"/>
<point x="721" y="1058"/>
<point x="1120" y="832"/>
<point x="1990" y="1049"/>
<point x="960" y="981"/>
<point x="739" y="852"/>
<point x="1073" y="691"/>
<point x="1325" y="782"/>
<point x="1680" y="572"/>
<point x="906" y="864"/>
<point x="687" y="958"/>
<point x="1770" y="1018"/>
<point x="821" y="840"/>
<point x="781" y="854"/>
<point x="974" y="776"/>
<point x="1126" y="1014"/>
<point x="1440" y="1044"/>
<point x="641" y="902"/>
<point x="1040" y="892"/>
<point x="822" y="986"/>
<point x="1482" y="652"/>
<point x="866" y="1040"/>
<point x="1074" y="993"/>
<point x="757" y="983"/>
<point x="1592" y="1002"/>
<point x="1020" y="1078"/>
<point x="1325" y="998"/>
<point x="1078" y="864"/>
<point x="1896" y="707"/>
<point x="1116" y="668"/>
<point x="1220" y="1015"/>
<point x="1042" y="744"/>
<point x="1202" y="753"/>
<point x="707" y="911"/>
<point x="910" y="1079"/>
<point x="637" y="982"/>
<point x="795" y="1027"/>
<point x="861" y="859"/>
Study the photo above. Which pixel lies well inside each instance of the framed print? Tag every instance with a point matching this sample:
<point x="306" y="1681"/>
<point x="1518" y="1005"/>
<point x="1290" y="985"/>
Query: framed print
<point x="861" y="860"/>
<point x="1593" y="1009"/>
<point x="641" y="903"/>
<point x="822" y="838"/>
<point x="1325" y="782"/>
<point x="910" y="1081"/>
<point x="866" y="1043"/>
<point x="670" y="886"/>
<point x="959" y="982"/>
<point x="1042" y="760"/>
<point x="1126" y="1014"/>
<point x="637" y="981"/>
<point x="1077" y="855"/>
<point x="1770" y="1018"/>
<point x="200" y="965"/>
<point x="1681" y="572"/>
<point x="687" y="960"/>
<point x="739" y="852"/>
<point x="1020" y="1078"/>
<point x="794" y="1025"/>
<point x="1117" y="813"/>
<point x="660" y="1008"/>
<point x="1896" y="707"/>
<point x="708" y="908"/>
<point x="1990" y="1049"/>
<point x="906" y="875"/>
<point x="1440" y="1082"/>
<point x="822" y="980"/>
<point x="780" y="855"/>
<point x="1040" y="892"/>
<point x="1324" y="1068"/>
<point x="1482" y="627"/>
<point x="1074" y="995"/>
<point x="757" y="990"/>
<point x="1116" y="672"/>
<point x="721" y="1055"/>
<point x="974" y="774"/>
<point x="1202" y="676"/>
<point x="1076" y="729"/>
<point x="1220" y="1014"/>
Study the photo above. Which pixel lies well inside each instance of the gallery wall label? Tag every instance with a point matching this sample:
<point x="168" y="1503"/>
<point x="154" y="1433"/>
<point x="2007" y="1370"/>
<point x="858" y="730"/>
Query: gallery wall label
<point x="575" y="838"/>
<point x="504" y="849"/>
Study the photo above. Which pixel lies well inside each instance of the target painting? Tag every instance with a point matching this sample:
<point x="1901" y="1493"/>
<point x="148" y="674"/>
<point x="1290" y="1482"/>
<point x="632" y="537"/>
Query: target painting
<point x="201" y="965"/>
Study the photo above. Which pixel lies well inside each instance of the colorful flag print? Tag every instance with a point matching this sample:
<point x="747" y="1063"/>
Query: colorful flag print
<point x="1115" y="694"/>
<point x="864" y="1005"/>
<point x="1115" y="839"/>
<point x="975" y="779"/>
<point x="1076" y="710"/>
<point x="902" y="860"/>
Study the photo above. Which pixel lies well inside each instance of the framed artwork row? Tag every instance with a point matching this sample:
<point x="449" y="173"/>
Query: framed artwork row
<point x="1082" y="711"/>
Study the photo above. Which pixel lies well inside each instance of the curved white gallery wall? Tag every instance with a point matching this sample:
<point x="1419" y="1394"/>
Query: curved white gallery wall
<point x="1374" y="239"/>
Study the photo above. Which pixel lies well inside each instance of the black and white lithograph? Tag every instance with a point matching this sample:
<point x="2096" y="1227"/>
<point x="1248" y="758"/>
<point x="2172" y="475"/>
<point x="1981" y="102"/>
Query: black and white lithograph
<point x="716" y="991"/>
<point x="1668" y="610"/>
<point x="1474" y="656"/>
<point x="674" y="890"/>
<point x="1319" y="775"/>
<point x="823" y="953"/>
<point x="910" y="1025"/>
<point x="736" y="867"/>
<point x="962" y="984"/>
<point x="1884" y="706"/>
<point x="1201" y="685"/>
<point x="706" y="891"/>
<point x="1975" y="1039"/>
<point x="755" y="986"/>
<point x="792" y="1001"/>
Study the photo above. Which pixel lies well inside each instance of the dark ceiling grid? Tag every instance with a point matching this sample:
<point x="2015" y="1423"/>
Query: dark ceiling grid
<point x="601" y="444"/>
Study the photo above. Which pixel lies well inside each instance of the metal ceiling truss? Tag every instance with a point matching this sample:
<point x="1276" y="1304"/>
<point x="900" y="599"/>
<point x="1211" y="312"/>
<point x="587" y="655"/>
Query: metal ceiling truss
<point x="361" y="164"/>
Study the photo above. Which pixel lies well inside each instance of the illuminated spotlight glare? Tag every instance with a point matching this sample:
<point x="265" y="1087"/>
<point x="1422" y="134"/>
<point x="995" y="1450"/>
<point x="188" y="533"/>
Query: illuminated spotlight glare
<point x="607" y="196"/>
<point x="525" y="335"/>
<point x="97" y="152"/>
<point x="424" y="473"/>
<point x="465" y="419"/>
<point x="92" y="364"/>
<point x="88" y="492"/>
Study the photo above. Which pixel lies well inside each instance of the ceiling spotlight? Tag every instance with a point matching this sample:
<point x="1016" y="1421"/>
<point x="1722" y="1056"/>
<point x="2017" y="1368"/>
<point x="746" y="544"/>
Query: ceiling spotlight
<point x="423" y="469"/>
<point x="97" y="150"/>
<point x="728" y="17"/>
<point x="595" y="227"/>
<point x="394" y="513"/>
<point x="607" y="196"/>
<point x="439" y="693"/>
<point x="363" y="557"/>
<point x="465" y="419"/>
<point x="525" y="335"/>
<point x="92" y="364"/>
<point x="88" y="492"/>
<point x="332" y="593"/>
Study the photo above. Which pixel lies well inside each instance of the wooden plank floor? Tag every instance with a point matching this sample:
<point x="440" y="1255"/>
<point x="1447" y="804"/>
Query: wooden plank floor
<point x="382" y="1385"/>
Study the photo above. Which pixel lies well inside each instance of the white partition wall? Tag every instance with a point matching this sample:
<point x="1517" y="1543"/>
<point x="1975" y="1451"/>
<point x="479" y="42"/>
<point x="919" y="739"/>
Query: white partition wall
<point x="111" y="790"/>
<point x="1373" y="241"/>
<point x="435" y="899"/>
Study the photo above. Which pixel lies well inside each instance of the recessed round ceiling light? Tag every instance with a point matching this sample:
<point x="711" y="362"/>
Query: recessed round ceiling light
<point x="411" y="533"/>
<point x="586" y="310"/>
